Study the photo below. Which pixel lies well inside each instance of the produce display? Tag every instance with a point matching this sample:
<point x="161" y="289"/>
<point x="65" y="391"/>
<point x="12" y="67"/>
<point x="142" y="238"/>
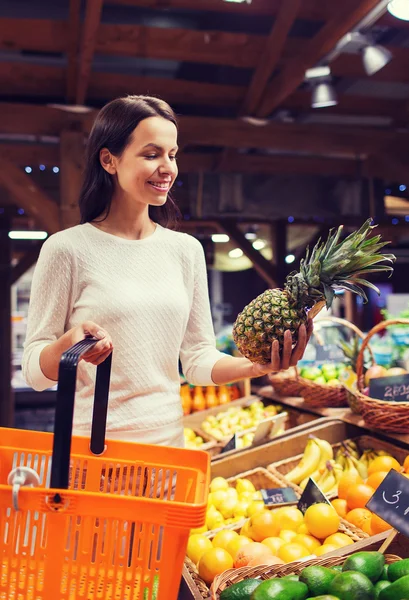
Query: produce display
<point x="361" y="576"/>
<point x="326" y="373"/>
<point x="236" y="419"/>
<point x="192" y="440"/>
<point x="331" y="266"/>
<point x="263" y="535"/>
<point x="196" y="398"/>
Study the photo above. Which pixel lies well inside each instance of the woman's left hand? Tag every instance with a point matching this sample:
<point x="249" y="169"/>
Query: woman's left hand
<point x="290" y="356"/>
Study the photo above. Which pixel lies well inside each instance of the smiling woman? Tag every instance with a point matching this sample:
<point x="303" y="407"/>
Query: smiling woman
<point x="124" y="276"/>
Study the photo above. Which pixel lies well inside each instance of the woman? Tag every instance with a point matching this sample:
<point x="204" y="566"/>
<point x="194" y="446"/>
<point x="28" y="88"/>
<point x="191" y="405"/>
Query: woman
<point x="137" y="286"/>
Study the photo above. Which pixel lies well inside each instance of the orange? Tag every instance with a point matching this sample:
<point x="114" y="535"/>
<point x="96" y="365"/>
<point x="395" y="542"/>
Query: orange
<point x="338" y="539"/>
<point x="376" y="479"/>
<point x="322" y="520"/>
<point x="197" y="546"/>
<point x="287" y="535"/>
<point x="274" y="544"/>
<point x="262" y="525"/>
<point x="251" y="552"/>
<point x="290" y="552"/>
<point x="359" y="516"/>
<point x="358" y="495"/>
<point x="222" y="538"/>
<point x="235" y="544"/>
<point x="308" y="541"/>
<point x="345" y="482"/>
<point x="303" y="529"/>
<point x="340" y="506"/>
<point x="378" y="525"/>
<point x="406" y="464"/>
<point x="325" y="548"/>
<point x="383" y="463"/>
<point x="289" y="517"/>
<point x="214" y="562"/>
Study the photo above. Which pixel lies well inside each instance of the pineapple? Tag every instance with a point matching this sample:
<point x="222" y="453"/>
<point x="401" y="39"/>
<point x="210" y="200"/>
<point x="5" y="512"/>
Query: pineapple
<point x="332" y="265"/>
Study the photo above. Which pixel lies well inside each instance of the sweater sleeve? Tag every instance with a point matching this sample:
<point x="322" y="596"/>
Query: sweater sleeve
<point x="198" y="353"/>
<point x="51" y="298"/>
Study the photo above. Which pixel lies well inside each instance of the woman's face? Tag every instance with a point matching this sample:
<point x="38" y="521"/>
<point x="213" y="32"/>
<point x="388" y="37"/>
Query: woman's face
<point x="146" y="170"/>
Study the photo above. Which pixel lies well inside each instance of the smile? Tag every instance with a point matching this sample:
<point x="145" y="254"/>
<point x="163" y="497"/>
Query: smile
<point x="160" y="187"/>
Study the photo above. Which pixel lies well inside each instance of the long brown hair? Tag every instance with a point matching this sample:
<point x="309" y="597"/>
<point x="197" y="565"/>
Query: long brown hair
<point x="113" y="129"/>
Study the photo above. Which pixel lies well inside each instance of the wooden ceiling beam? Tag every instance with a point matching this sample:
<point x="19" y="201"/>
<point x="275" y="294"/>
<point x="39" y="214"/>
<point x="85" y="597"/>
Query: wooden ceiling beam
<point x="30" y="196"/>
<point x="350" y="66"/>
<point x="271" y="54"/>
<point x="88" y="41"/>
<point x="73" y="43"/>
<point x="345" y="16"/>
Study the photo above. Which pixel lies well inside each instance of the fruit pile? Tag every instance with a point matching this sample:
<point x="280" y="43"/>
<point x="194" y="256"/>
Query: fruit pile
<point x="275" y="536"/>
<point x="192" y="440"/>
<point x="236" y="419"/>
<point x="327" y="373"/>
<point x="363" y="576"/>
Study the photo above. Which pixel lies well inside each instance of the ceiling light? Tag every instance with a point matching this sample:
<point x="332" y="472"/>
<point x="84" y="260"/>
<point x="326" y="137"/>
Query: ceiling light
<point x="251" y="235"/>
<point x="28" y="235"/>
<point x="399" y="9"/>
<point x="318" y="72"/>
<point x="220" y="238"/>
<point x="323" y="95"/>
<point x="259" y="244"/>
<point x="236" y="253"/>
<point x="374" y="58"/>
<point x="290" y="258"/>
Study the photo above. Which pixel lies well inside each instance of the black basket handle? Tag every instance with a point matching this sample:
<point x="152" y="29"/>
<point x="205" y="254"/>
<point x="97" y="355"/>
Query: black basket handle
<point x="67" y="376"/>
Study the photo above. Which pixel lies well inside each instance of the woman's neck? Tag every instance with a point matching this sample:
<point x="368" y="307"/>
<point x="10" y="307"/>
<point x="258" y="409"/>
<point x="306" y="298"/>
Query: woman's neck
<point x="127" y="224"/>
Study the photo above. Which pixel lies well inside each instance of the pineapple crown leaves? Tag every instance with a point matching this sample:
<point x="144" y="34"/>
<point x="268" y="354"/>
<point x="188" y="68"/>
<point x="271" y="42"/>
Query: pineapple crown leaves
<point x="337" y="265"/>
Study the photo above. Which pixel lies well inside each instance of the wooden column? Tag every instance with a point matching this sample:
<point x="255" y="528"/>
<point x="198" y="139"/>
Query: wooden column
<point x="6" y="392"/>
<point x="71" y="168"/>
<point x="279" y="247"/>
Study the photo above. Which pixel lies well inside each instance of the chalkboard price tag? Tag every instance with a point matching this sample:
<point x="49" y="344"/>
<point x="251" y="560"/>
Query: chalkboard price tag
<point x="231" y="445"/>
<point x="311" y="495"/>
<point x="392" y="389"/>
<point x="391" y="501"/>
<point x="274" y="496"/>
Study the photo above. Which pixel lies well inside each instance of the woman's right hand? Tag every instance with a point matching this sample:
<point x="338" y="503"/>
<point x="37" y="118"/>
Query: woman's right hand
<point x="102" y="349"/>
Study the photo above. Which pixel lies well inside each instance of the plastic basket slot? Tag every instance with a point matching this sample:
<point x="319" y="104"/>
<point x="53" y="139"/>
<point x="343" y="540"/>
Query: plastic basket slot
<point x="41" y="463"/>
<point x="78" y="475"/>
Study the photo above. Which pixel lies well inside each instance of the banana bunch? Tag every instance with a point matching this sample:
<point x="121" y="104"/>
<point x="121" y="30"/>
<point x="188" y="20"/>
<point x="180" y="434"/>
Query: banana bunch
<point x="369" y="455"/>
<point x="349" y="447"/>
<point x="327" y="478"/>
<point x="316" y="454"/>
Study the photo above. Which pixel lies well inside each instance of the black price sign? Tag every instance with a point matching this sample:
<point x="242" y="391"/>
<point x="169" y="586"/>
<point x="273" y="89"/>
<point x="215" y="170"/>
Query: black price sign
<point x="274" y="496"/>
<point x="391" y="501"/>
<point x="394" y="389"/>
<point x="231" y="445"/>
<point x="311" y="495"/>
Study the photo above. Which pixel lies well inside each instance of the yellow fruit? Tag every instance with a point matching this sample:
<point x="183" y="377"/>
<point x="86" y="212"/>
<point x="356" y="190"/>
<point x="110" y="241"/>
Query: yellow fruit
<point x="198" y="530"/>
<point x="263" y="525"/>
<point x="247" y="496"/>
<point x="340" y="506"/>
<point x="254" y="553"/>
<point x="254" y="507"/>
<point x="290" y="552"/>
<point x="222" y="538"/>
<point x="258" y="495"/>
<point x="241" y="508"/>
<point x="338" y="539"/>
<point x="383" y="463"/>
<point x="287" y="535"/>
<point x="217" y="498"/>
<point x="213" y="562"/>
<point x="303" y="529"/>
<point x="322" y="520"/>
<point x="245" y="530"/>
<point x="236" y="543"/>
<point x="227" y="507"/>
<point x="290" y="517"/>
<point x="324" y="549"/>
<point x="197" y="546"/>
<point x="308" y="541"/>
<point x="232" y="493"/>
<point x="218" y="483"/>
<point x="245" y="485"/>
<point x="274" y="544"/>
<point x="214" y="519"/>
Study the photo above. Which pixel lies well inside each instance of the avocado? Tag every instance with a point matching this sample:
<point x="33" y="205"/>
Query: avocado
<point x="277" y="589"/>
<point x="290" y="578"/>
<point x="317" y="579"/>
<point x="379" y="586"/>
<point x="398" y="569"/>
<point x="352" y="585"/>
<point x="398" y="590"/>
<point x="385" y="574"/>
<point x="241" y="590"/>
<point x="369" y="563"/>
<point x="337" y="568"/>
<point x="324" y="597"/>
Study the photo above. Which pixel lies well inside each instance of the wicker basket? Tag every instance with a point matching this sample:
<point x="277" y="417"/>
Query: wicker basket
<point x="232" y="576"/>
<point x="391" y="417"/>
<point x="286" y="383"/>
<point x="364" y="442"/>
<point x="261" y="479"/>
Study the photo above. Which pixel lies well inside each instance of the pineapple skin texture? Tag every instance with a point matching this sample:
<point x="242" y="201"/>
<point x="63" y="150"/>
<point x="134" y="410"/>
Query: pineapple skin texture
<point x="264" y="320"/>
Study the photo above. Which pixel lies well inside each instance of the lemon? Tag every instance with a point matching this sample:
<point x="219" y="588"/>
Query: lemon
<point x="287" y="535"/>
<point x="290" y="517"/>
<point x="218" y="498"/>
<point x="214" y="519"/>
<point x="198" y="530"/>
<point x="258" y="495"/>
<point x="274" y="543"/>
<point x="236" y="544"/>
<point x="213" y="562"/>
<point x="197" y="546"/>
<point x="189" y="434"/>
<point x="232" y="493"/>
<point x="244" y="485"/>
<point x="222" y="538"/>
<point x="245" y="530"/>
<point x="241" y="508"/>
<point x="227" y="507"/>
<point x="338" y="539"/>
<point x="218" y="483"/>
<point x="324" y="549"/>
<point x="249" y="496"/>
<point x="303" y="529"/>
<point x="308" y="541"/>
<point x="254" y="507"/>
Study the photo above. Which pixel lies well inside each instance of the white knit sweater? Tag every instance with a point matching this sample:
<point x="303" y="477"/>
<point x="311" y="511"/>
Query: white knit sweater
<point x="151" y="295"/>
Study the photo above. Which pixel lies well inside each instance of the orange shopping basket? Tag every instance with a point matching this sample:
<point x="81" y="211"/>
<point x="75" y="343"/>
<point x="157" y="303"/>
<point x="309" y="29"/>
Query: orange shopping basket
<point x="93" y="519"/>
